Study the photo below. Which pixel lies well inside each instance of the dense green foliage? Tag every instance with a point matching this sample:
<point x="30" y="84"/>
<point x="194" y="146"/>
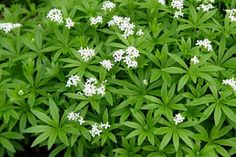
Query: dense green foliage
<point x="140" y="103"/>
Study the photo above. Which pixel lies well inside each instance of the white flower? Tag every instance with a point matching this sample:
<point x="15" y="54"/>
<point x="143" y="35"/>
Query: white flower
<point x="96" y="20"/>
<point x="205" y="7"/>
<point x="20" y="92"/>
<point x="101" y="90"/>
<point x="195" y="60"/>
<point x="163" y="2"/>
<point x="108" y="5"/>
<point x="95" y="131"/>
<point x="76" y="117"/>
<point x="230" y="82"/>
<point x="139" y="32"/>
<point x="89" y="89"/>
<point x="86" y="53"/>
<point x="178" y="14"/>
<point x="118" y="55"/>
<point x="7" y="27"/>
<point x="132" y="52"/>
<point x="232" y="14"/>
<point x="105" y="125"/>
<point x="178" y="118"/>
<point x="130" y="62"/>
<point x="205" y="43"/>
<point x="145" y="82"/>
<point x="55" y="15"/>
<point x="69" y="23"/>
<point x="73" y="81"/>
<point x="178" y="4"/>
<point x="106" y="64"/>
<point x="123" y="23"/>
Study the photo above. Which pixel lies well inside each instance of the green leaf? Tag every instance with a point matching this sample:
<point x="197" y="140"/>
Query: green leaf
<point x="229" y="113"/>
<point x="155" y="75"/>
<point x="42" y="116"/>
<point x="7" y="144"/>
<point x="176" y="140"/>
<point x="37" y="129"/>
<point x="62" y="136"/>
<point x="40" y="138"/>
<point x="54" y="111"/>
<point x="174" y="70"/>
<point x="178" y="60"/>
<point x="166" y="139"/>
<point x="217" y="114"/>
<point x="185" y="138"/>
<point x="95" y="106"/>
<point x="183" y="80"/>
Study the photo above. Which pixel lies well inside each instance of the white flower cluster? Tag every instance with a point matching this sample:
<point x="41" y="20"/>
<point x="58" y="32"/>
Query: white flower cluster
<point x="97" y="129"/>
<point x="107" y="64"/>
<point x="206" y="5"/>
<point x="7" y="27"/>
<point x="86" y="53"/>
<point x="230" y="82"/>
<point x="205" y="43"/>
<point x="20" y="92"/>
<point x="91" y="88"/>
<point x="123" y="23"/>
<point x="139" y="32"/>
<point x="178" y="118"/>
<point x="232" y="14"/>
<point x="162" y="2"/>
<point x="73" y="81"/>
<point x="108" y="5"/>
<point x="76" y="117"/>
<point x="130" y="54"/>
<point x="69" y="23"/>
<point x="96" y="20"/>
<point x="179" y="5"/>
<point x="195" y="60"/>
<point x="55" y="15"/>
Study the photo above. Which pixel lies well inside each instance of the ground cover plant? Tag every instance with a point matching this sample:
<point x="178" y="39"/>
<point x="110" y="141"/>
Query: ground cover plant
<point x="122" y="78"/>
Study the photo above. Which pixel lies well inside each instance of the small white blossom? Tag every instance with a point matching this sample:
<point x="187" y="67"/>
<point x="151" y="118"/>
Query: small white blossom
<point x="205" y="43"/>
<point x="96" y="20"/>
<point x="73" y="81"/>
<point x="123" y="23"/>
<point x="145" y="82"/>
<point x="132" y="52"/>
<point x="20" y="92"/>
<point x="76" y="117"/>
<point x="89" y="89"/>
<point x="101" y="90"/>
<point x="178" y="118"/>
<point x="86" y="53"/>
<point x="105" y="125"/>
<point x="95" y="131"/>
<point x="205" y="7"/>
<point x="230" y="82"/>
<point x="7" y="27"/>
<point x="178" y="4"/>
<point x="118" y="55"/>
<point x="178" y="14"/>
<point x="108" y="5"/>
<point x="232" y="14"/>
<point x="163" y="2"/>
<point x="139" y="32"/>
<point x="69" y="23"/>
<point x="55" y="15"/>
<point x="130" y="62"/>
<point x="106" y="64"/>
<point x="195" y="60"/>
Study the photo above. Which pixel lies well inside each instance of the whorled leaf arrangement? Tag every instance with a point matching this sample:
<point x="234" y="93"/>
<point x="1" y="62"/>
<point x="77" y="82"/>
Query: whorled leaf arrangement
<point x="122" y="78"/>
